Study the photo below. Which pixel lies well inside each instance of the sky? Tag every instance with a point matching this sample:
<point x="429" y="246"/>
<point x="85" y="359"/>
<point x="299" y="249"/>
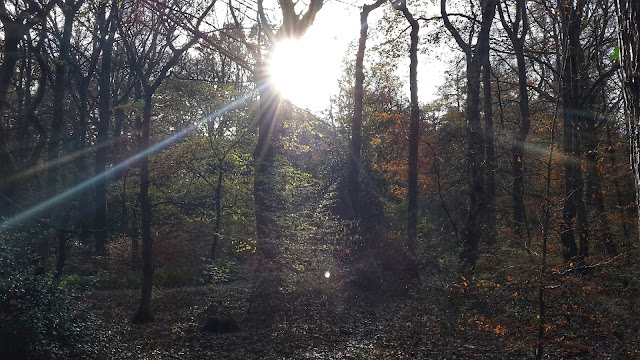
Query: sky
<point x="313" y="78"/>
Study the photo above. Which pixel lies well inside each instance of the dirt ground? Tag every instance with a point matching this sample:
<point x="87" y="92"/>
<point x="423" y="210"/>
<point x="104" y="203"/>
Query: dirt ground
<point x="425" y="323"/>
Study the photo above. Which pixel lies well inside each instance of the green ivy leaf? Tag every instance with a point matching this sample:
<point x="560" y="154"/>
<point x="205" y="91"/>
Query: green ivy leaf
<point x="616" y="54"/>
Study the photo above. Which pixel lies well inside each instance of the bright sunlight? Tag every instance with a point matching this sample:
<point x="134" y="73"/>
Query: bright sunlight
<point x="305" y="71"/>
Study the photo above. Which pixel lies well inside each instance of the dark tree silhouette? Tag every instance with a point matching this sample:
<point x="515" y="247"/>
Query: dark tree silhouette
<point x="414" y="131"/>
<point x="475" y="55"/>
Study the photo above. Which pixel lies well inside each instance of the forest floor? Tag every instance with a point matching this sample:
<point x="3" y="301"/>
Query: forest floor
<point x="390" y="322"/>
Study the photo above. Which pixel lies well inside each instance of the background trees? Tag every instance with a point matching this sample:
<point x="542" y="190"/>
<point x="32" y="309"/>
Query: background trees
<point x="155" y="126"/>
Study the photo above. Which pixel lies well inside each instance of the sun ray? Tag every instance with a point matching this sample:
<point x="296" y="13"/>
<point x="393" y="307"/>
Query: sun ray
<point x="47" y="204"/>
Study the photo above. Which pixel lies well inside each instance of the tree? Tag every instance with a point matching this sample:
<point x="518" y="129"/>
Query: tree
<point x="59" y="212"/>
<point x="16" y="23"/>
<point x="517" y="28"/>
<point x="268" y="147"/>
<point x="414" y="133"/>
<point x="107" y="27"/>
<point x="354" y="162"/>
<point x="153" y="48"/>
<point x="629" y="52"/>
<point x="475" y="56"/>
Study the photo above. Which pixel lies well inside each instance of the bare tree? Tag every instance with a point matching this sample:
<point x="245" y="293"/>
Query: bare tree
<point x="154" y="47"/>
<point x="16" y="22"/>
<point x="475" y="56"/>
<point x="517" y="28"/>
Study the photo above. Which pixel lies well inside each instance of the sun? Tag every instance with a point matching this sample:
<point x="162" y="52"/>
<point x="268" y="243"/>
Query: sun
<point x="304" y="70"/>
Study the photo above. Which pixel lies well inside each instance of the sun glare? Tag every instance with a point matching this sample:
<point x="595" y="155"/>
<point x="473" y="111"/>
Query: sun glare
<point x="304" y="71"/>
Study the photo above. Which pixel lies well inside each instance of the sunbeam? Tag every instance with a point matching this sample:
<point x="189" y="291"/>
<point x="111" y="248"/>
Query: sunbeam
<point x="47" y="204"/>
<point x="61" y="161"/>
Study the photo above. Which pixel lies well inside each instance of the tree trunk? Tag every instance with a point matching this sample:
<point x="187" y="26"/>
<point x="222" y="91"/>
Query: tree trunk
<point x="473" y="231"/>
<point x="102" y="136"/>
<point x="629" y="44"/>
<point x="519" y="219"/>
<point x="134" y="233"/>
<point x="80" y="140"/>
<point x="414" y="131"/>
<point x="216" y="232"/>
<point x="489" y="149"/>
<point x="517" y="32"/>
<point x="574" y="215"/>
<point x="13" y="33"/>
<point x="267" y="201"/>
<point x="473" y="226"/>
<point x="59" y="216"/>
<point x="354" y="163"/>
<point x="623" y="202"/>
<point x="144" y="312"/>
<point x="595" y="192"/>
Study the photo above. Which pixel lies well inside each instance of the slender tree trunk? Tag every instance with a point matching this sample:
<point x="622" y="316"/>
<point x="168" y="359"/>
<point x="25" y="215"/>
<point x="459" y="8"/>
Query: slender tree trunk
<point x="216" y="232"/>
<point x="267" y="201"/>
<point x="623" y="203"/>
<point x="517" y="32"/>
<point x="119" y="146"/>
<point x="518" y="162"/>
<point x="82" y="168"/>
<point x="31" y="116"/>
<point x="489" y="149"/>
<point x="629" y="44"/>
<point x="59" y="216"/>
<point x="144" y="312"/>
<point x="13" y="33"/>
<point x="414" y="131"/>
<point x="476" y="215"/>
<point x="102" y="136"/>
<point x="135" y="239"/>
<point x="542" y="307"/>
<point x="354" y="163"/>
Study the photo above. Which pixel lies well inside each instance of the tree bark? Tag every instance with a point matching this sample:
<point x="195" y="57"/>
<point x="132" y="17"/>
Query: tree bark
<point x="477" y="211"/>
<point x="102" y="136"/>
<point x="82" y="168"/>
<point x="518" y="157"/>
<point x="489" y="150"/>
<point x="414" y="131"/>
<point x="144" y="311"/>
<point x="59" y="213"/>
<point x="13" y="33"/>
<point x="267" y="201"/>
<point x="218" y="225"/>
<point x="517" y="150"/>
<point x="574" y="216"/>
<point x="354" y="162"/>
<point x="629" y="45"/>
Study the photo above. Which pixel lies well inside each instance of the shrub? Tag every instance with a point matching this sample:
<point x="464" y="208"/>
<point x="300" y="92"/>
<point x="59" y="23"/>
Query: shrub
<point x="174" y="276"/>
<point x="77" y="282"/>
<point x="120" y="280"/>
<point x="37" y="318"/>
